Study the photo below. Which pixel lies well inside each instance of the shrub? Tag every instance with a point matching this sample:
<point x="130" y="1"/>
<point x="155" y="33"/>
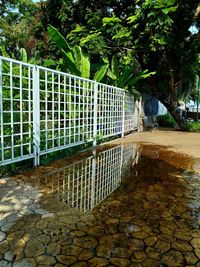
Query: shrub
<point x="192" y="126"/>
<point x="166" y="121"/>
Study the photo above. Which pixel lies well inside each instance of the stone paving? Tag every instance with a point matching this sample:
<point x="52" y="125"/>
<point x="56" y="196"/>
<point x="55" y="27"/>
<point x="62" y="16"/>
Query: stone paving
<point x="152" y="219"/>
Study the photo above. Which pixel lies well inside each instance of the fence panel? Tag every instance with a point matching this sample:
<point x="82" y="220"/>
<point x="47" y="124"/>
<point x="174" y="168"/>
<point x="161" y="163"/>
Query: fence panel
<point x="109" y="110"/>
<point x="131" y="113"/>
<point x="66" y="110"/>
<point x="16" y="110"/>
<point x="43" y="110"/>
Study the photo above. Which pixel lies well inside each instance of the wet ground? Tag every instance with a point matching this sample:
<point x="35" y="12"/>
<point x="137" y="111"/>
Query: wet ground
<point x="131" y="205"/>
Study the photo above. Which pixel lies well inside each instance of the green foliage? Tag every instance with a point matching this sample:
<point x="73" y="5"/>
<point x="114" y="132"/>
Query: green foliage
<point x="13" y="168"/>
<point x="100" y="139"/>
<point x="153" y="32"/>
<point x="23" y="55"/>
<point x="84" y="65"/>
<point x="110" y="21"/>
<point x="80" y="21"/>
<point x="76" y="60"/>
<point x="114" y="67"/>
<point x="64" y="153"/>
<point x="3" y="51"/>
<point x="156" y="33"/>
<point x="126" y="76"/>
<point x="99" y="75"/>
<point x="17" y="20"/>
<point x="166" y="121"/>
<point x="192" y="126"/>
<point x="59" y="40"/>
<point x="70" y="65"/>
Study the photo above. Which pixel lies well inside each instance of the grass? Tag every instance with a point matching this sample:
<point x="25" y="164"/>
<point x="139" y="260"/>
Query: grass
<point x="14" y="168"/>
<point x="192" y="126"/>
<point x="166" y="121"/>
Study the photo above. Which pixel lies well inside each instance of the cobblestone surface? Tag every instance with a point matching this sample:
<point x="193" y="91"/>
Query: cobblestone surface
<point x="152" y="219"/>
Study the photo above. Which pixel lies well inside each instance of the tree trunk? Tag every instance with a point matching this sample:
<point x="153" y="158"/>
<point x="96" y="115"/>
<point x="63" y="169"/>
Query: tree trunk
<point x="172" y="108"/>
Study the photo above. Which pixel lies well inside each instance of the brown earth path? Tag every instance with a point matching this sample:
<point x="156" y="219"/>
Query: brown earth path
<point x="182" y="142"/>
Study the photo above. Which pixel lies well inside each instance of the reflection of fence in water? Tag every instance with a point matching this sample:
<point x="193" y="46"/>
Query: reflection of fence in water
<point x="130" y="158"/>
<point x="88" y="182"/>
<point x="108" y="173"/>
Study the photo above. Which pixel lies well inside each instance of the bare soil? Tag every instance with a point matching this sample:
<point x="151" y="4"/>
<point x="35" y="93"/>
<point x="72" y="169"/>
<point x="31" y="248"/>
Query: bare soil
<point x="181" y="142"/>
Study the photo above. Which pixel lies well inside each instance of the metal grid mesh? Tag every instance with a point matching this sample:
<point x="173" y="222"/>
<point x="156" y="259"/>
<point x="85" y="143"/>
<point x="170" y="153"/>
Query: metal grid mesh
<point x="108" y="173"/>
<point x="131" y="116"/>
<point x="72" y="184"/>
<point x="109" y="110"/>
<point x="88" y="182"/>
<point x="66" y="110"/>
<point x="43" y="110"/>
<point x="79" y="185"/>
<point x="16" y="109"/>
<point x="130" y="156"/>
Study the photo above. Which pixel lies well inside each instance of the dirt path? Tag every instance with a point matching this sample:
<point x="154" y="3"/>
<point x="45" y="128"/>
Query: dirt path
<point x="187" y="143"/>
<point x="182" y="142"/>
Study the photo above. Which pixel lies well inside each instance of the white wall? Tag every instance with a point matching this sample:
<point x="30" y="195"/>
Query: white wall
<point x="161" y="109"/>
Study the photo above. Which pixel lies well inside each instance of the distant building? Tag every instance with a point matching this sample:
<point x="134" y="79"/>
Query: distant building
<point x="161" y="109"/>
<point x="153" y="107"/>
<point x="150" y="106"/>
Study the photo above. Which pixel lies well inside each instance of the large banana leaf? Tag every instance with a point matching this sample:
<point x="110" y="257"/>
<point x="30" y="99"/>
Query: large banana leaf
<point x="77" y="56"/>
<point x="60" y="41"/>
<point x="85" y="65"/>
<point x="142" y="75"/>
<point x="3" y="51"/>
<point x="99" y="75"/>
<point x="23" y="55"/>
<point x="111" y="75"/>
<point x="77" y="61"/>
<point x="126" y="73"/>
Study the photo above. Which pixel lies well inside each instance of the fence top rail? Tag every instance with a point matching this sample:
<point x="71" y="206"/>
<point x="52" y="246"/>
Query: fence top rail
<point x="112" y="86"/>
<point x="58" y="72"/>
<point x="16" y="61"/>
<point x="43" y="68"/>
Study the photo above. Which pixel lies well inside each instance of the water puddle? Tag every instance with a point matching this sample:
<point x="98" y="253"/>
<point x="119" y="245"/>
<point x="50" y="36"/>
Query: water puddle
<point x="131" y="205"/>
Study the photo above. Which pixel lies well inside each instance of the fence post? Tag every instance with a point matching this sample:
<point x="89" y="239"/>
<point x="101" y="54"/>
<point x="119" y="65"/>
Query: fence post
<point x="123" y="114"/>
<point x="94" y="163"/>
<point x="121" y="163"/>
<point x="1" y="114"/>
<point x="95" y="114"/>
<point x="139" y="111"/>
<point x="36" y="115"/>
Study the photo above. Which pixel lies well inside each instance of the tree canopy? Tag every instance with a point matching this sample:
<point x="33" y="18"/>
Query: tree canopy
<point x="17" y="21"/>
<point x="155" y="33"/>
<point x="144" y="36"/>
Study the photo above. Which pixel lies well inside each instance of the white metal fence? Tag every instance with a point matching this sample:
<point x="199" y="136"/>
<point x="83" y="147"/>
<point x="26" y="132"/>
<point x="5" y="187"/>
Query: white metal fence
<point x="85" y="184"/>
<point x="44" y="110"/>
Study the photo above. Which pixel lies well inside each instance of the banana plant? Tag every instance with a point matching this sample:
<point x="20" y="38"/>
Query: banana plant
<point x="3" y="51"/>
<point x="77" y="61"/>
<point x="125" y="77"/>
<point x="23" y="55"/>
